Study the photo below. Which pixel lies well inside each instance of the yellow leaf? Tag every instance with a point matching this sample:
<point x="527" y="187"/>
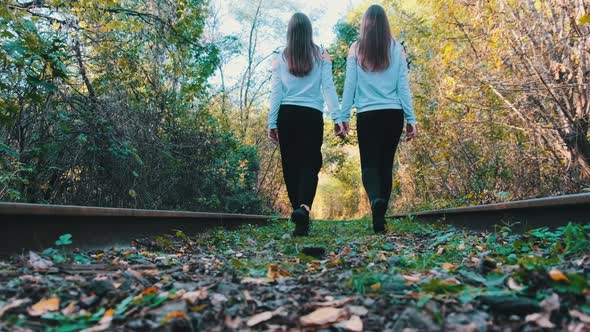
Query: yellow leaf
<point x="585" y="19"/>
<point x="376" y="287"/>
<point x="448" y="266"/>
<point x="55" y="25"/>
<point x="323" y="316"/>
<point x="176" y="314"/>
<point x="558" y="275"/>
<point x="44" y="306"/>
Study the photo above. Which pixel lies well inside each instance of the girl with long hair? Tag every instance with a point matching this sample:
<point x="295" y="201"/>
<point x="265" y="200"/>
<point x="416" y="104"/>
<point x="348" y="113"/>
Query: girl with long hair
<point x="301" y="79"/>
<point x="377" y="86"/>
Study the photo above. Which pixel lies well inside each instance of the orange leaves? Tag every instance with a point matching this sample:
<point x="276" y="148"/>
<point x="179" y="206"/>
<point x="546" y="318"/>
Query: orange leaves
<point x="150" y="290"/>
<point x="44" y="306"/>
<point x="557" y="275"/>
<point x="275" y="272"/>
<point x="176" y="314"/>
<point x="449" y="266"/>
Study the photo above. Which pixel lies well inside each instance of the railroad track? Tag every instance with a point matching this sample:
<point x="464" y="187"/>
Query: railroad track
<point x="36" y="226"/>
<point x="520" y="215"/>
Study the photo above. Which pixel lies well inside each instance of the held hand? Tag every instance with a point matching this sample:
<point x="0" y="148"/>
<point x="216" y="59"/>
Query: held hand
<point x="340" y="130"/>
<point x="411" y="131"/>
<point x="273" y="134"/>
<point x="346" y="127"/>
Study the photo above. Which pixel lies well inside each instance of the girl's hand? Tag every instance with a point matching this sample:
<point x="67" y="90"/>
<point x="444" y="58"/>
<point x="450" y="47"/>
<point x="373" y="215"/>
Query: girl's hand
<point x="273" y="134"/>
<point x="411" y="131"/>
<point x="340" y="129"/>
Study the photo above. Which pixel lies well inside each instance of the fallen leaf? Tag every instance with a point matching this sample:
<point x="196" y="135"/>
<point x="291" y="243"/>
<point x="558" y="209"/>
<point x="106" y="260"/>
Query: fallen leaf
<point x="345" y="251"/>
<point x="440" y="250"/>
<point x="584" y="318"/>
<point x="582" y="261"/>
<point x="333" y="302"/>
<point x="376" y="287"/>
<point x="323" y="316"/>
<point x="357" y="310"/>
<point x="176" y="314"/>
<point x="540" y="319"/>
<point x="354" y="324"/>
<point x="14" y="303"/>
<point x="69" y="309"/>
<point x="448" y="266"/>
<point x="512" y="284"/>
<point x="452" y="281"/>
<point x="195" y="296"/>
<point x="550" y="303"/>
<point x="247" y="296"/>
<point x="259" y="318"/>
<point x="256" y="281"/>
<point x="39" y="263"/>
<point x="411" y="279"/>
<point x="232" y="323"/>
<point x="218" y="299"/>
<point x="543" y="319"/>
<point x="107" y="318"/>
<point x="150" y="290"/>
<point x="557" y="275"/>
<point x="263" y="317"/>
<point x="44" y="306"/>
<point x="276" y="272"/>
<point x="104" y="324"/>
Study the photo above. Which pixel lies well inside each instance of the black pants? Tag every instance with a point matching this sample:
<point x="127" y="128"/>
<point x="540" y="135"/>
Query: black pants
<point x="301" y="133"/>
<point x="379" y="132"/>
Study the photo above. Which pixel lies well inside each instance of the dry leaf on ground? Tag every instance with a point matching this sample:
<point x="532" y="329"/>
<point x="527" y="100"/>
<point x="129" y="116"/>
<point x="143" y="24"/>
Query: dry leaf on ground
<point x="14" y="303"/>
<point x="584" y="318"/>
<point x="44" y="306"/>
<point x="558" y="275"/>
<point x="39" y="263"/>
<point x="354" y="324"/>
<point x="323" y="316"/>
<point x="196" y="296"/>
<point x="263" y="317"/>
<point x="276" y="272"/>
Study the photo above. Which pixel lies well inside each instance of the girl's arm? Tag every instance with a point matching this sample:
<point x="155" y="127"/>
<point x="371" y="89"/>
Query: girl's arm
<point x="403" y="90"/>
<point x="276" y="94"/>
<point x="349" y="83"/>
<point x="329" y="90"/>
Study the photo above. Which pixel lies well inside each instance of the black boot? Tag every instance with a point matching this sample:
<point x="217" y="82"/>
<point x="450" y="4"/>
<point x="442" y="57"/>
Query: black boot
<point x="378" y="208"/>
<point x="300" y="217"/>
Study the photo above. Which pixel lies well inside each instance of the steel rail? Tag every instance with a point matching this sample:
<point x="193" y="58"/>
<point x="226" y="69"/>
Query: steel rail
<point x="37" y="226"/>
<point x="519" y="215"/>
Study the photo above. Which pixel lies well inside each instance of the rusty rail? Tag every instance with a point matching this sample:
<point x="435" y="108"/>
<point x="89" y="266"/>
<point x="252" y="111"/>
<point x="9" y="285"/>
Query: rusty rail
<point x="524" y="214"/>
<point x="37" y="226"/>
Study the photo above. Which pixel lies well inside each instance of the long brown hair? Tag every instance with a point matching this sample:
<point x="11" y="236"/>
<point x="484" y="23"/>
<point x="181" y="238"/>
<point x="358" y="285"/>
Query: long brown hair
<point x="300" y="51"/>
<point x="375" y="40"/>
